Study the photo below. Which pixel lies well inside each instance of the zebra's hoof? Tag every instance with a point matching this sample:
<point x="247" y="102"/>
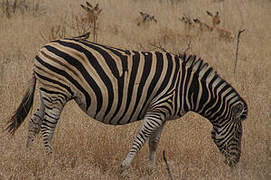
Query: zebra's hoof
<point x="150" y="170"/>
<point x="124" y="171"/>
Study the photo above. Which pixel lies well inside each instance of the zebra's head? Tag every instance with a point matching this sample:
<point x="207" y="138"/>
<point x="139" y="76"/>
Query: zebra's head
<point x="228" y="133"/>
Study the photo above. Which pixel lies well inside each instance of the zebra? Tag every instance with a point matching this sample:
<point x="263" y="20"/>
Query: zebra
<point x="118" y="86"/>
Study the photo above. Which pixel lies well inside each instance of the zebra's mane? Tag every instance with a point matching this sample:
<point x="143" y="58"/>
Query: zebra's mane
<point x="197" y="65"/>
<point x="200" y="69"/>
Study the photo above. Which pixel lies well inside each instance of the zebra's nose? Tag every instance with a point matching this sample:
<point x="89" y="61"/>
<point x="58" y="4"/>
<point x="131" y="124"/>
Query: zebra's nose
<point x="232" y="161"/>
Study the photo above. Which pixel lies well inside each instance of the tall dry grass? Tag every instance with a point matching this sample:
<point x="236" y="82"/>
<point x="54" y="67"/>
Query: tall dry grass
<point x="87" y="149"/>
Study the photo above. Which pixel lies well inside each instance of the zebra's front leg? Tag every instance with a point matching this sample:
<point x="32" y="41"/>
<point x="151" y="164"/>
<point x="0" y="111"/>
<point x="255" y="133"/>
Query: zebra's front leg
<point x="151" y="123"/>
<point x="34" y="125"/>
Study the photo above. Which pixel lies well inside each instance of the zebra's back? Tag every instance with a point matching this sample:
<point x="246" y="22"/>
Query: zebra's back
<point x="111" y="85"/>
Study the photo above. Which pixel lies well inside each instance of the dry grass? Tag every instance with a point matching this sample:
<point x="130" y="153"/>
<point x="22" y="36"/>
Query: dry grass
<point x="82" y="148"/>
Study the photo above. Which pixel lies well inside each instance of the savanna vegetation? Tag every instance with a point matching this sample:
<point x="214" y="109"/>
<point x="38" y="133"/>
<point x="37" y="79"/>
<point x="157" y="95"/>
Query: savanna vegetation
<point x="87" y="149"/>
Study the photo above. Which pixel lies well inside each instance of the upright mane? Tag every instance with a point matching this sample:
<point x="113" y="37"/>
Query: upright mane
<point x="198" y="66"/>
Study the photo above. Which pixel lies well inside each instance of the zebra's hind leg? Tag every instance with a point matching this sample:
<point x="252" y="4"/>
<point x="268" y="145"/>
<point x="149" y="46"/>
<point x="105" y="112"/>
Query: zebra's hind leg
<point x="150" y="125"/>
<point x="52" y="110"/>
<point x="153" y="143"/>
<point x="34" y="125"/>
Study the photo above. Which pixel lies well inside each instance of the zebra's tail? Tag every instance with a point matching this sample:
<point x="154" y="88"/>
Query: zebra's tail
<point x="22" y="111"/>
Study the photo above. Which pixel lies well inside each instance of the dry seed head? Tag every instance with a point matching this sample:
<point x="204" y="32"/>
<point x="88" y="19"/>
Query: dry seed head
<point x="203" y="26"/>
<point x="188" y="25"/>
<point x="145" y="18"/>
<point x="186" y="19"/>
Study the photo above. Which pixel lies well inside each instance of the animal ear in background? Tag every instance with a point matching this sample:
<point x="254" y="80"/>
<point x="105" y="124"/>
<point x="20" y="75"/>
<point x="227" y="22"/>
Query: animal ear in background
<point x="209" y="13"/>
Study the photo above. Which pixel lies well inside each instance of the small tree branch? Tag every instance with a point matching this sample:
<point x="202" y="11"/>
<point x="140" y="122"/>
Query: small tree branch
<point x="167" y="167"/>
<point x="159" y="47"/>
<point x="189" y="46"/>
<point x="237" y="48"/>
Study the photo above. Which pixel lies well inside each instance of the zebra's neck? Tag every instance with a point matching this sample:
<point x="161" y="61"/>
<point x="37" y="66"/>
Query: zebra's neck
<point x="203" y="91"/>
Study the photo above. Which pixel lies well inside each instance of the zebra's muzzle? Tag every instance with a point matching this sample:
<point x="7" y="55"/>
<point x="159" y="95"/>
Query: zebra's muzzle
<point x="231" y="158"/>
<point x="231" y="162"/>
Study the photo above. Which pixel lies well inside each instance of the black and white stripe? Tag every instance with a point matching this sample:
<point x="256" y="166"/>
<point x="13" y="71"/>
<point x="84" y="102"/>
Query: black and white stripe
<point x="117" y="86"/>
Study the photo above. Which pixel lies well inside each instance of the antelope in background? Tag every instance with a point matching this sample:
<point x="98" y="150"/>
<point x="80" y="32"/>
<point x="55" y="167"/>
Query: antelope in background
<point x="223" y="33"/>
<point x="91" y="18"/>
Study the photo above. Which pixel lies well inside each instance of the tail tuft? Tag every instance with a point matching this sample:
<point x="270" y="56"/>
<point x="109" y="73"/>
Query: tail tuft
<point x="22" y="111"/>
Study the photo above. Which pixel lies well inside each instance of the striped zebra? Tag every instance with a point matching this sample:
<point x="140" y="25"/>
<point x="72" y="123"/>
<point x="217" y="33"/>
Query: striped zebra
<point x="116" y="86"/>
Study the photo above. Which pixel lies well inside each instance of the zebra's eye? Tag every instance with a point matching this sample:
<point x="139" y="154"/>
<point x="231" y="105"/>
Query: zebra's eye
<point x="213" y="133"/>
<point x="237" y="110"/>
<point x="243" y="115"/>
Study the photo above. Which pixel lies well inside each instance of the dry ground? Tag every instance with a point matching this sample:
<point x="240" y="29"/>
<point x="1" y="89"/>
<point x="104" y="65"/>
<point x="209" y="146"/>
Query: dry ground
<point x="86" y="149"/>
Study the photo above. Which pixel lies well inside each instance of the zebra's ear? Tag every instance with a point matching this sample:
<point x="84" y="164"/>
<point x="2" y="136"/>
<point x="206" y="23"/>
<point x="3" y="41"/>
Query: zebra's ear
<point x="237" y="110"/>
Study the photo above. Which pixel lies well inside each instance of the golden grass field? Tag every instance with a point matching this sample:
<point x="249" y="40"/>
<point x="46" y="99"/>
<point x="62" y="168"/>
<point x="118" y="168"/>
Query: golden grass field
<point x="87" y="149"/>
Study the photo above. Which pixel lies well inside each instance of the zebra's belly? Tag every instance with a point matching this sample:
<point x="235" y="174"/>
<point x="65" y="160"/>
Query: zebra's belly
<point x="114" y="116"/>
<point x="118" y="119"/>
